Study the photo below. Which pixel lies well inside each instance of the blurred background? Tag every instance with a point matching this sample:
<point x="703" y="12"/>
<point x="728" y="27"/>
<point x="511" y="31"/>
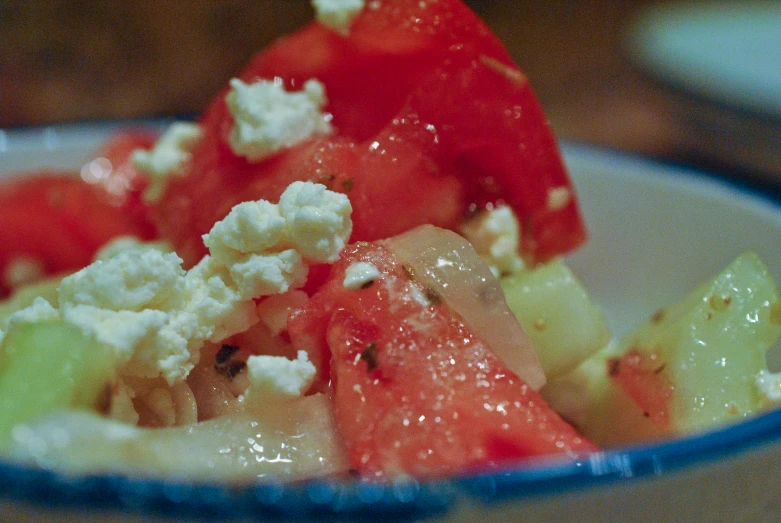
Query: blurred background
<point x="76" y="60"/>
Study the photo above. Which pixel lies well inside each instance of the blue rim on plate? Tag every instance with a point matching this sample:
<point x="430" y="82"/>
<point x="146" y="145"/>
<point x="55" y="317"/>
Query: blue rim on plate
<point x="404" y="498"/>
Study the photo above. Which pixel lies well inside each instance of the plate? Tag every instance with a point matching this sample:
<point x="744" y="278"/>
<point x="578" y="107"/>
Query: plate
<point x="656" y="232"/>
<point x="727" y="51"/>
<point x="725" y="59"/>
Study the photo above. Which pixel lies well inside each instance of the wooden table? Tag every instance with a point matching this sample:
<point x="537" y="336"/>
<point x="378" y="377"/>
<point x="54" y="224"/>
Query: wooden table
<point x="65" y="61"/>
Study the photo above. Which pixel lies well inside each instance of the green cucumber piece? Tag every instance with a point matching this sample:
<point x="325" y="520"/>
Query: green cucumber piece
<point x="557" y="313"/>
<point x="711" y="347"/>
<point x="46" y="367"/>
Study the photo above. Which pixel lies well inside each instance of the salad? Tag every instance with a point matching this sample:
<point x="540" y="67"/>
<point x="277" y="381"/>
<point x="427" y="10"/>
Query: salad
<point x="350" y="264"/>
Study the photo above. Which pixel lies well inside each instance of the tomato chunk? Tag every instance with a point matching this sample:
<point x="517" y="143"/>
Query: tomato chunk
<point x="640" y="376"/>
<point x="57" y="221"/>
<point x="432" y="121"/>
<point x="415" y="391"/>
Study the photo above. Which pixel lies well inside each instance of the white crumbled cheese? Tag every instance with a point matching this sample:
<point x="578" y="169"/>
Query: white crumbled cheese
<point x="264" y="274"/>
<point x="170" y="152"/>
<point x="337" y="15"/>
<point x="216" y="307"/>
<point x="769" y="385"/>
<point x="268" y="119"/>
<point x="154" y="317"/>
<point x="249" y="227"/>
<point x="131" y="280"/>
<point x="318" y="220"/>
<point x="495" y="235"/>
<point x="128" y="333"/>
<point x="359" y="274"/>
<point x="39" y="311"/>
<point x="278" y="377"/>
<point x="559" y="198"/>
<point x="309" y="218"/>
<point x="127" y="243"/>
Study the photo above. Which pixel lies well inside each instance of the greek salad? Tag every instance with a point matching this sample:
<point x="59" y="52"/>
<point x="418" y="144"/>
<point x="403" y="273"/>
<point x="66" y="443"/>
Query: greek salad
<point x="350" y="263"/>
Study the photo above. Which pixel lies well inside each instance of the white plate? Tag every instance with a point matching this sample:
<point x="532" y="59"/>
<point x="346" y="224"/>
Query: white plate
<point x="725" y="59"/>
<point x="727" y="51"/>
<point x="656" y="232"/>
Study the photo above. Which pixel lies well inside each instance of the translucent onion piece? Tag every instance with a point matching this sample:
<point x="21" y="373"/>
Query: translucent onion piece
<point x="446" y="263"/>
<point x="285" y="441"/>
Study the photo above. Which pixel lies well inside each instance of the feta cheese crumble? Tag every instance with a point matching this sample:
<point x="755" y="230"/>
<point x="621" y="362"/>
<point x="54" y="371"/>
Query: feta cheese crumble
<point x="337" y="15"/>
<point x="495" y="235"/>
<point x="278" y="377"/>
<point x="268" y="118"/>
<point x="170" y="152"/>
<point x="154" y="317"/>
<point x="559" y="198"/>
<point x="769" y="386"/>
<point x="359" y="274"/>
<point x="318" y="220"/>
<point x="265" y="245"/>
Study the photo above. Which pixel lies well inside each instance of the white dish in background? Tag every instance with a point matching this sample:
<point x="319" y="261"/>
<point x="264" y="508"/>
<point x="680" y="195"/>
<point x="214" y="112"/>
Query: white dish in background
<point x="725" y="58"/>
<point x="727" y="51"/>
<point x="656" y="232"/>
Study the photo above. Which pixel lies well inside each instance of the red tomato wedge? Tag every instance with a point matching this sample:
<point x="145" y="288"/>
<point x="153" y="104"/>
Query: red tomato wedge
<point x="432" y="120"/>
<point x="415" y="391"/>
<point x="58" y="221"/>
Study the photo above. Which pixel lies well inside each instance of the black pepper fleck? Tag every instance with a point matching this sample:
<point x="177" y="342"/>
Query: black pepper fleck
<point x="369" y="355"/>
<point x="433" y="296"/>
<point x="224" y="363"/>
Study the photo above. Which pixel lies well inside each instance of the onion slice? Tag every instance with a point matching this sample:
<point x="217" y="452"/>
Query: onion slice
<point x="282" y="442"/>
<point x="448" y="264"/>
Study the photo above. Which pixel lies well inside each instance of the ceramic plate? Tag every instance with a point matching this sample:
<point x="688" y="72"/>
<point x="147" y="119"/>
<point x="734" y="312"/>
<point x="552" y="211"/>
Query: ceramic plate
<point x="656" y="232"/>
<point x="727" y="51"/>
<point x="725" y="58"/>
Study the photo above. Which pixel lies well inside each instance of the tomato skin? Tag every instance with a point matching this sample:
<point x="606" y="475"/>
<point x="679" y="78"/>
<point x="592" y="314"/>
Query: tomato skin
<point x="58" y="220"/>
<point x="425" y="103"/>
<point x="415" y="391"/>
<point x="641" y="376"/>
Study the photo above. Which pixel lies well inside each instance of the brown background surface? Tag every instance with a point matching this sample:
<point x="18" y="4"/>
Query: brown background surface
<point x="95" y="59"/>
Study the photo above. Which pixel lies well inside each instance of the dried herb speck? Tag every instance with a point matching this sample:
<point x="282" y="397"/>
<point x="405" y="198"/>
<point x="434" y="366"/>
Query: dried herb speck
<point x="433" y="296"/>
<point x="369" y="355"/>
<point x="224" y="363"/>
<point x="225" y="353"/>
<point x="612" y="366"/>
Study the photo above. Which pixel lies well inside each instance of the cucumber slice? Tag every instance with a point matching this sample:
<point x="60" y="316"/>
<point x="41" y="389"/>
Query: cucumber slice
<point x="294" y="440"/>
<point x="710" y="348"/>
<point x="49" y="366"/>
<point x="556" y="312"/>
<point x="24" y="297"/>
